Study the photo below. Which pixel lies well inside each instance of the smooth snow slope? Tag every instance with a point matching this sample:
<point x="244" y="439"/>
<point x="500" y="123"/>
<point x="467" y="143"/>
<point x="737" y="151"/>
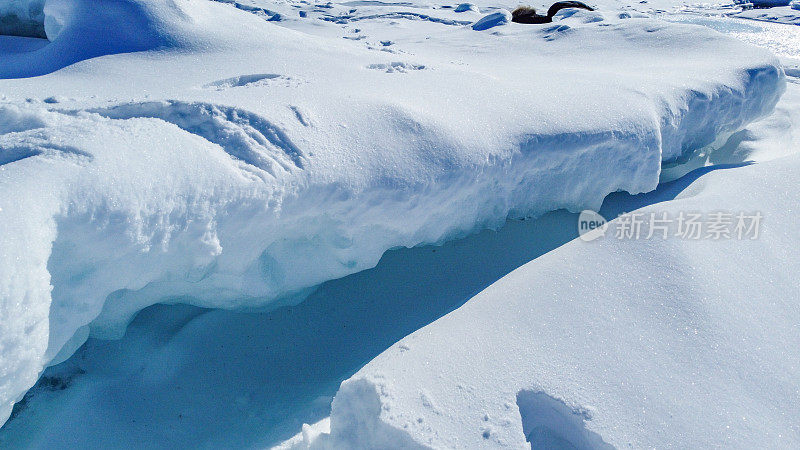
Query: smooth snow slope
<point x="216" y="158"/>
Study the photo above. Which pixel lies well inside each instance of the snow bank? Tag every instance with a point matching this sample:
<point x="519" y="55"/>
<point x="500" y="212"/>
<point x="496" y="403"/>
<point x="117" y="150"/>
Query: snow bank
<point x="625" y="343"/>
<point x="234" y="162"/>
<point x="80" y="29"/>
<point x="283" y="374"/>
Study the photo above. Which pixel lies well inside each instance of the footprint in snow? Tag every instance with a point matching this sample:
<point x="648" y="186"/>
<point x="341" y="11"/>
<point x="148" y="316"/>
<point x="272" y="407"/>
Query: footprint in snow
<point x="256" y="79"/>
<point x="396" y="66"/>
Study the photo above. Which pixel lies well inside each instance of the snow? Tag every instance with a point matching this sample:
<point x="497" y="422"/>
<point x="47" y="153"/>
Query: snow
<point x="238" y="156"/>
<point x="769" y="3"/>
<point x="24" y="18"/>
<point x="464" y="7"/>
<point x="693" y="341"/>
<point x="787" y="14"/>
<point x="492" y="20"/>
<point x="216" y="388"/>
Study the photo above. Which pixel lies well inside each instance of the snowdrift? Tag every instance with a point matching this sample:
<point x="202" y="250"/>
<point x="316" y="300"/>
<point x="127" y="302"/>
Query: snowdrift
<point x="626" y="343"/>
<point x="84" y="29"/>
<point x="789" y="15"/>
<point x="215" y="157"/>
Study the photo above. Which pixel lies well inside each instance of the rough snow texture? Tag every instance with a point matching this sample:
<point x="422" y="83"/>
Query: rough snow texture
<point x="214" y="157"/>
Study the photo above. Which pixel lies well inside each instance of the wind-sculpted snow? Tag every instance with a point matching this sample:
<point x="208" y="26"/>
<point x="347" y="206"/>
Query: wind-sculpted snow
<point x="80" y="29"/>
<point x="160" y="169"/>
<point x="630" y="343"/>
<point x="24" y="18"/>
<point x="245" y="136"/>
<point x="787" y="14"/>
<point x="492" y="20"/>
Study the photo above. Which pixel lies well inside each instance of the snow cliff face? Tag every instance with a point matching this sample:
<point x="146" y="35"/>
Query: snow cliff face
<point x="191" y="151"/>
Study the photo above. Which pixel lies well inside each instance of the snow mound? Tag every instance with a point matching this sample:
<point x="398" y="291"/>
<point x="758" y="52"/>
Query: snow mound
<point x="79" y="30"/>
<point x="160" y="169"/>
<point x="492" y="20"/>
<point x="464" y="7"/>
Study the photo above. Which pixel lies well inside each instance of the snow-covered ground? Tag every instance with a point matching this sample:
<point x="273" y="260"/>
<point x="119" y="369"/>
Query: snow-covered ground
<point x="690" y="342"/>
<point x="786" y="14"/>
<point x="247" y="155"/>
